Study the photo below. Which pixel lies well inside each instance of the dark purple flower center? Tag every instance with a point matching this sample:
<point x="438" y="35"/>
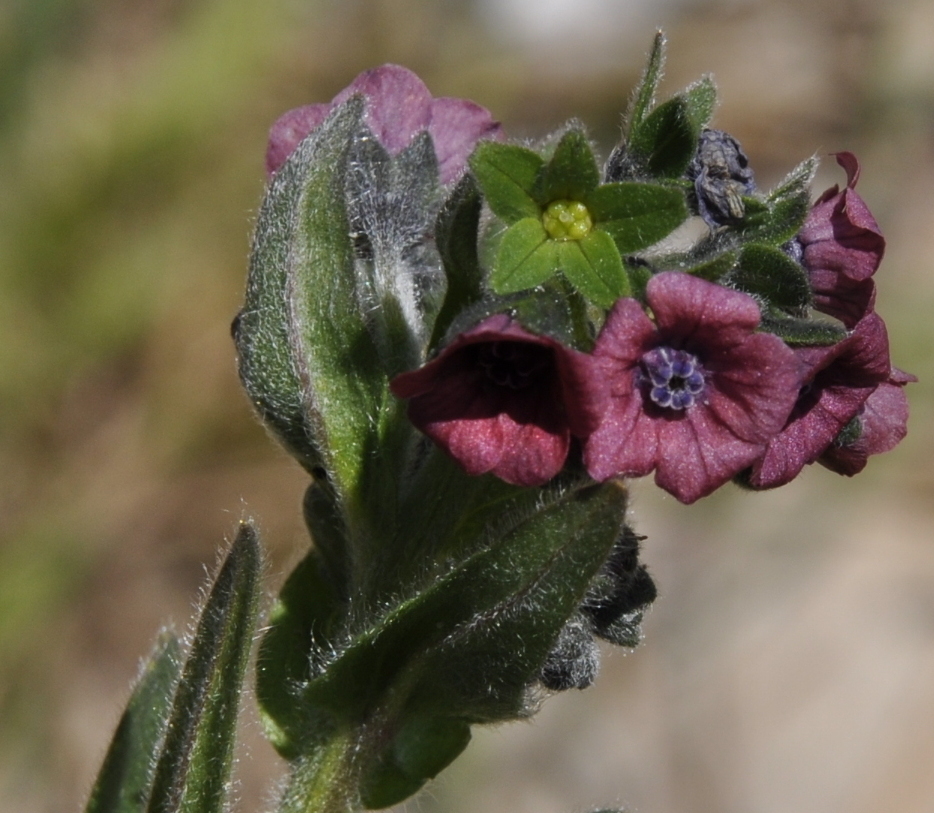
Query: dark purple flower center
<point x="674" y="378"/>
<point x="515" y="365"/>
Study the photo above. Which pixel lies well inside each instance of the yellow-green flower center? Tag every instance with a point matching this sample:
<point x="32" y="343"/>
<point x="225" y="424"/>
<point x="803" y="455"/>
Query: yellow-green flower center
<point x="567" y="220"/>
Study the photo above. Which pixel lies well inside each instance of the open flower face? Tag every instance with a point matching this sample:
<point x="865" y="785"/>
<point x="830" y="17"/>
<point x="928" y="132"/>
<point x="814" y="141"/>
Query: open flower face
<point x="694" y="395"/>
<point x="502" y="400"/>
<point x="398" y="107"/>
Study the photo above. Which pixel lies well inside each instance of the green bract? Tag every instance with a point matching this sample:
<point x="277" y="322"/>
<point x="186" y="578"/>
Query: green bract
<point x="604" y="222"/>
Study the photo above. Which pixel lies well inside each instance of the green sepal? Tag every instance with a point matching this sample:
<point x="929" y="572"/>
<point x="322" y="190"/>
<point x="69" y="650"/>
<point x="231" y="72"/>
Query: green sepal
<point x="780" y="216"/>
<point x="450" y="649"/>
<point x="714" y="269"/>
<point x="456" y="235"/>
<point x="302" y="622"/>
<point x="570" y="174"/>
<point x="798" y="332"/>
<point x="125" y="779"/>
<point x="526" y="257"/>
<point x="636" y="215"/>
<point x="193" y="768"/>
<point x="506" y="174"/>
<point x="418" y="752"/>
<point x="593" y="266"/>
<point x="772" y="276"/>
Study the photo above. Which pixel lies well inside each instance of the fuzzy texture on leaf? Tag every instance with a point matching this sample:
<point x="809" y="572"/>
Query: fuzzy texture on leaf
<point x="502" y="400"/>
<point x="750" y="384"/>
<point x="840" y="380"/>
<point x="883" y="422"/>
<point x="842" y="248"/>
<point x="398" y="107"/>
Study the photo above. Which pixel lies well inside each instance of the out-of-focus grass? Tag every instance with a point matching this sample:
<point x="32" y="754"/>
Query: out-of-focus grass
<point x="131" y="154"/>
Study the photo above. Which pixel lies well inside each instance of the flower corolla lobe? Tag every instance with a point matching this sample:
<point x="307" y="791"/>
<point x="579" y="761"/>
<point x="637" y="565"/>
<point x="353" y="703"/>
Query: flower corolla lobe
<point x="748" y="387"/>
<point x="398" y="107"/>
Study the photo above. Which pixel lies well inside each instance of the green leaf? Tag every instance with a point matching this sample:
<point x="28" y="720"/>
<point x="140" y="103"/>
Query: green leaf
<point x="700" y="100"/>
<point x="770" y="274"/>
<point x="666" y="141"/>
<point x="304" y="620"/>
<point x="715" y="268"/>
<point x="418" y="752"/>
<point x="636" y="215"/>
<point x="644" y="96"/>
<point x="125" y="779"/>
<point x="570" y="174"/>
<point x="450" y="650"/>
<point x="593" y="266"/>
<point x="798" y="332"/>
<point x="526" y="257"/>
<point x="306" y="356"/>
<point x="506" y="174"/>
<point x="456" y="235"/>
<point x="194" y="766"/>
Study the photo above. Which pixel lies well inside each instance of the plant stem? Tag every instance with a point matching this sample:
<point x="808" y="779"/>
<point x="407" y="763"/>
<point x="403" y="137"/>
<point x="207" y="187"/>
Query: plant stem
<point x="326" y="781"/>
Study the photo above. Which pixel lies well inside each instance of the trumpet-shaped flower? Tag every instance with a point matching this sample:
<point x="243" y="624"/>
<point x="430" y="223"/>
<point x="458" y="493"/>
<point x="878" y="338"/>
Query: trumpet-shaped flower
<point x="500" y="399"/>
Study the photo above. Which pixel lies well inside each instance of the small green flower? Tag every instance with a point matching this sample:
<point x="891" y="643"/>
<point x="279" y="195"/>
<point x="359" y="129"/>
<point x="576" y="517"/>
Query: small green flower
<point x="560" y="218"/>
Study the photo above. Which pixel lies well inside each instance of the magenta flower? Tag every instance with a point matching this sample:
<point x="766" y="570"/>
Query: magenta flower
<point x="882" y="423"/>
<point x="842" y="248"/>
<point x="502" y="400"/>
<point x="840" y="380"/>
<point x="398" y="107"/>
<point x="695" y="395"/>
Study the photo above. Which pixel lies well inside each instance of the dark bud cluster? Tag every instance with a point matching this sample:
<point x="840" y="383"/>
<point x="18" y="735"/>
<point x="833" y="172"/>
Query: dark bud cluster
<point x="612" y="610"/>
<point x="722" y="176"/>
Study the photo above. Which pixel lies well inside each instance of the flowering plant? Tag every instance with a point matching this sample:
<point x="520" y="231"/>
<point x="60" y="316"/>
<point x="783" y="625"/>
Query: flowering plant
<point x="469" y="345"/>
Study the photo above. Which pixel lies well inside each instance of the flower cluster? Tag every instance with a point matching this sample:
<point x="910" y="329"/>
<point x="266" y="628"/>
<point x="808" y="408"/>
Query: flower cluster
<point x="685" y="382"/>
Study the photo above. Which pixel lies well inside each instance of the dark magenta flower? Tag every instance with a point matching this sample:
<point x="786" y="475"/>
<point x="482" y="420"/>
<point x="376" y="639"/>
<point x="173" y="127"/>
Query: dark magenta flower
<point x="880" y="425"/>
<point x="502" y="400"/>
<point x="694" y="395"/>
<point x="842" y="248"/>
<point x="839" y="381"/>
<point x="398" y="107"/>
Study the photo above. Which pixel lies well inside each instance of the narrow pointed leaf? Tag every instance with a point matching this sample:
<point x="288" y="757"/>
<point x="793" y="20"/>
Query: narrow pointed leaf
<point x="506" y="174"/>
<point x="644" y="96"/>
<point x="526" y="257"/>
<point x="636" y="215"/>
<point x="194" y="766"/>
<point x="125" y="779"/>
<point x="593" y="266"/>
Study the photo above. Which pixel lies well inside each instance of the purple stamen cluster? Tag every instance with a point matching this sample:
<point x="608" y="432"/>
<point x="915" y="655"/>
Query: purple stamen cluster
<point x="675" y="377"/>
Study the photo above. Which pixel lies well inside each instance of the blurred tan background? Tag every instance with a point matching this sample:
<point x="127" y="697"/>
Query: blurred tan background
<point x="789" y="661"/>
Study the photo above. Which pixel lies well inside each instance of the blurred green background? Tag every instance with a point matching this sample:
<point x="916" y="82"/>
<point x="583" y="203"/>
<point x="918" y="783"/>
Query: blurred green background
<point x="789" y="661"/>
